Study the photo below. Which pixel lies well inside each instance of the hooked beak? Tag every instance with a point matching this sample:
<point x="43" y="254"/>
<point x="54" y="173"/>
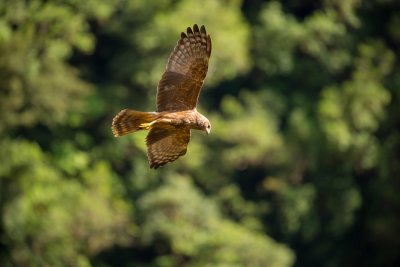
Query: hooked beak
<point x="208" y="131"/>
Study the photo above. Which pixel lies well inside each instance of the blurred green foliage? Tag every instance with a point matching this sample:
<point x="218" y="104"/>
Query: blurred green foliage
<point x="302" y="167"/>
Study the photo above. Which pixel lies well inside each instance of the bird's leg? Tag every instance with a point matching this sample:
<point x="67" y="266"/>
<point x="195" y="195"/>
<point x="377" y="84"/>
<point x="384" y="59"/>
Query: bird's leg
<point x="146" y="125"/>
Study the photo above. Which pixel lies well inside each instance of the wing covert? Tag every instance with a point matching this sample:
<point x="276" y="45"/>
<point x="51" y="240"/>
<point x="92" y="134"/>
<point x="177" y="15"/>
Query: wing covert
<point x="166" y="144"/>
<point x="187" y="66"/>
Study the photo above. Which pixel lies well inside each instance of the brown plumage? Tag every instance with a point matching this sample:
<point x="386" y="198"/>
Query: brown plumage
<point x="177" y="95"/>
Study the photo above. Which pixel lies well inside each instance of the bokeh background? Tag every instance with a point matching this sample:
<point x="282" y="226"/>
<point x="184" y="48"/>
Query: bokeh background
<point x="302" y="167"/>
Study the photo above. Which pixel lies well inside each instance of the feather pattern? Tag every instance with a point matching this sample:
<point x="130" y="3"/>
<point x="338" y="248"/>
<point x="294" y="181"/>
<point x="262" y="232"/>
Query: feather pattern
<point x="177" y="95"/>
<point x="166" y="144"/>
<point x="187" y="66"/>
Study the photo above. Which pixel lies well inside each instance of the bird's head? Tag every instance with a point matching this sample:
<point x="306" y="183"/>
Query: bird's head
<point x="208" y="127"/>
<point x="203" y="123"/>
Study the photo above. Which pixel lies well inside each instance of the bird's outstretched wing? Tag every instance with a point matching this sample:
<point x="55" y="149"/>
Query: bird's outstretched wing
<point x="166" y="144"/>
<point x="187" y="66"/>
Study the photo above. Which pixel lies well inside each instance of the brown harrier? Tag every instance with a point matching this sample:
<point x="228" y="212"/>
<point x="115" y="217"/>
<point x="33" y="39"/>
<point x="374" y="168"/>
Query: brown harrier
<point x="177" y="95"/>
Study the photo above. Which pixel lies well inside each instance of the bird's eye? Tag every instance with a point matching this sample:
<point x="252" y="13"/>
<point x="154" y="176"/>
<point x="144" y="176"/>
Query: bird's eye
<point x="209" y="126"/>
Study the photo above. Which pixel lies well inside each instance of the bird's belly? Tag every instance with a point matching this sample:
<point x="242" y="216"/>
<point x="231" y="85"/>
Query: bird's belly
<point x="178" y="119"/>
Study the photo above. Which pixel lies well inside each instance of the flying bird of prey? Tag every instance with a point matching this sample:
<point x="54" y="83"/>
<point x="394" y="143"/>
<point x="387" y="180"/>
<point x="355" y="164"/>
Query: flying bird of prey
<point x="177" y="94"/>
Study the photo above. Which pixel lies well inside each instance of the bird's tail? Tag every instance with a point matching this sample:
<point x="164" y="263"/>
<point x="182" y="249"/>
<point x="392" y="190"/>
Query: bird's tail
<point x="129" y="121"/>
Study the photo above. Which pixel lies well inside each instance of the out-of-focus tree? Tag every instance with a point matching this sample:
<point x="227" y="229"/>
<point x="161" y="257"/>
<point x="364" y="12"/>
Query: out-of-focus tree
<point x="58" y="207"/>
<point x="177" y="218"/>
<point x="52" y="219"/>
<point x="301" y="168"/>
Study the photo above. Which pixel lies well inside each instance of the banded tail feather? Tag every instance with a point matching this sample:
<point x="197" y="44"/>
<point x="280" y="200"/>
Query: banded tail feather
<point x="129" y="121"/>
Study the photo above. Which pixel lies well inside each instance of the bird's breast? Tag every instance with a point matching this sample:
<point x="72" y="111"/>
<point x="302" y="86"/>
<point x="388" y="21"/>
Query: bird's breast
<point x="186" y="118"/>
